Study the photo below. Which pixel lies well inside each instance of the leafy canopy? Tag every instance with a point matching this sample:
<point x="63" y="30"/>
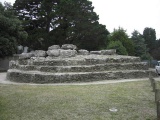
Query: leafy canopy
<point x="121" y="35"/>
<point x="11" y="32"/>
<point x="63" y="21"/>
<point x="140" y="47"/>
<point x="149" y="35"/>
<point x="120" y="49"/>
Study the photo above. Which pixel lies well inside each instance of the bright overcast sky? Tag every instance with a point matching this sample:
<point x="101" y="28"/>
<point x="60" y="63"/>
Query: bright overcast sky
<point x="128" y="14"/>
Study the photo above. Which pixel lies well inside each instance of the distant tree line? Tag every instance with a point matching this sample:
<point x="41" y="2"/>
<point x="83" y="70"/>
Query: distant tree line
<point x="39" y="24"/>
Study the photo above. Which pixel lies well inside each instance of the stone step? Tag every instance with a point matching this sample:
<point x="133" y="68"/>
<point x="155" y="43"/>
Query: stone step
<point x="85" y="68"/>
<point x="80" y="60"/>
<point x="46" y="77"/>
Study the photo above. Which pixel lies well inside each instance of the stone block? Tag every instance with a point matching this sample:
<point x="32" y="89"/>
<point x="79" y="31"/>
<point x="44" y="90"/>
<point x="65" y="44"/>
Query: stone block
<point x="26" y="55"/>
<point x="68" y="53"/>
<point x="108" y="52"/>
<point x="53" y="47"/>
<point x="95" y="52"/>
<point x="53" y="53"/>
<point x="13" y="64"/>
<point x="69" y="46"/>
<point x="83" y="52"/>
<point x="40" y="53"/>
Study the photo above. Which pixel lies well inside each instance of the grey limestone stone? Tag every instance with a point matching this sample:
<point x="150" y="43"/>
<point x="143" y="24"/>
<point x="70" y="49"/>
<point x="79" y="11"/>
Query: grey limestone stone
<point x="53" y="47"/>
<point x="26" y="55"/>
<point x="108" y="52"/>
<point x="13" y="64"/>
<point x="69" y="46"/>
<point x="83" y="52"/>
<point x="37" y="59"/>
<point x="54" y="52"/>
<point x="68" y="53"/>
<point x="40" y="53"/>
<point x="95" y="52"/>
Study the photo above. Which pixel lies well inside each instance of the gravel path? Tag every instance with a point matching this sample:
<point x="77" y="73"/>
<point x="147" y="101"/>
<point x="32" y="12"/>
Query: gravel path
<point x="4" y="81"/>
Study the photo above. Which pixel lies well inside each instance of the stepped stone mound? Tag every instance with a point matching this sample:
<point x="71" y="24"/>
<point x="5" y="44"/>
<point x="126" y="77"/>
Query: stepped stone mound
<point x="68" y="65"/>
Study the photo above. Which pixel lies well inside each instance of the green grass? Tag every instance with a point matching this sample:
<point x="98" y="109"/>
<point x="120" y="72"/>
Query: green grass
<point x="157" y="84"/>
<point x="134" y="101"/>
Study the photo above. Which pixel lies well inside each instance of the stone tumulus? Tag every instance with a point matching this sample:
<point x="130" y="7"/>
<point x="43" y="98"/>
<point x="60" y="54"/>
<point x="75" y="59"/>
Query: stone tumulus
<point x="67" y="64"/>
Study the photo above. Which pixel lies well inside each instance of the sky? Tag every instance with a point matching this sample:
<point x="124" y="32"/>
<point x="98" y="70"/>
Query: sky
<point x="129" y="14"/>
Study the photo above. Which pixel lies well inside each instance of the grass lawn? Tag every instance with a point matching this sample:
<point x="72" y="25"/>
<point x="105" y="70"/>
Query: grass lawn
<point x="133" y="100"/>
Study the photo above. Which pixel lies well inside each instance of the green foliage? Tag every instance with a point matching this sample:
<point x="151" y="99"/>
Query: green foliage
<point x="7" y="46"/>
<point x="69" y="21"/>
<point x="39" y="39"/>
<point x="155" y="53"/>
<point x="121" y="35"/>
<point x="11" y="32"/>
<point x="120" y="49"/>
<point x="149" y="34"/>
<point x="146" y="56"/>
<point x="140" y="47"/>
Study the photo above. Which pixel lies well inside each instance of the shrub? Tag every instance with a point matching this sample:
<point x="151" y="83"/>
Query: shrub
<point x="121" y="50"/>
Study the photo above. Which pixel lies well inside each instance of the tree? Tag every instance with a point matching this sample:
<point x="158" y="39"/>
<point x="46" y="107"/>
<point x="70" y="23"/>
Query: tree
<point x="30" y="12"/>
<point x="120" y="49"/>
<point x="27" y="10"/>
<point x="65" y="21"/>
<point x="149" y="34"/>
<point x="11" y="32"/>
<point x="140" y="48"/>
<point x="156" y="51"/>
<point x="80" y="25"/>
<point x="121" y="35"/>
